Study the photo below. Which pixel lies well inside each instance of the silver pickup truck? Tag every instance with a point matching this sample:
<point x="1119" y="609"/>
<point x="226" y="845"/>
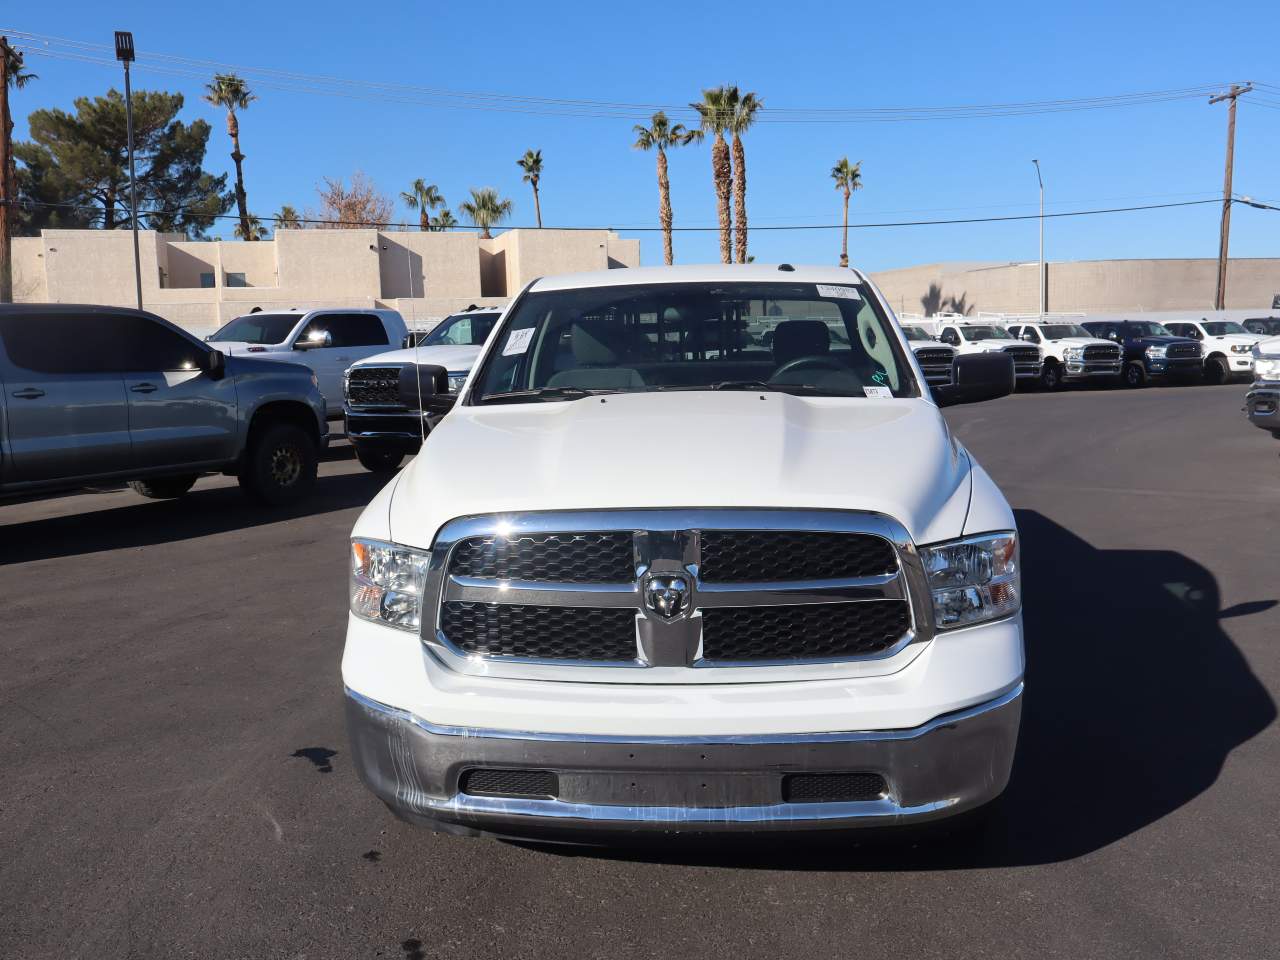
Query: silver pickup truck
<point x="92" y="394"/>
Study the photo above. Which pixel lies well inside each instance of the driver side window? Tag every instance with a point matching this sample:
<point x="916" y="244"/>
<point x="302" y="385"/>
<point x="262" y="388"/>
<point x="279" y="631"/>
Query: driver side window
<point x="950" y="336"/>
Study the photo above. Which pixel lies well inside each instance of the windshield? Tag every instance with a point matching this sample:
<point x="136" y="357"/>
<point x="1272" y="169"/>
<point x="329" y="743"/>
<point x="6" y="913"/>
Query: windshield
<point x="1220" y="328"/>
<point x="916" y="333"/>
<point x="259" y="328"/>
<point x="1056" y="331"/>
<point x="825" y="340"/>
<point x="463" y="329"/>
<point x="985" y="333"/>
<point x="1145" y="328"/>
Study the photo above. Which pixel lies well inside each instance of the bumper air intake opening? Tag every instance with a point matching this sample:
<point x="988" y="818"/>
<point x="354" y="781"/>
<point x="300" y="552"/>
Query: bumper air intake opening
<point x="832" y="787"/>
<point x="491" y="782"/>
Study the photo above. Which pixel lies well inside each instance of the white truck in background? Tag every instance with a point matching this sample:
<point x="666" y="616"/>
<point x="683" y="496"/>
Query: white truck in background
<point x="969" y="336"/>
<point x="1070" y="353"/>
<point x="1227" y="345"/>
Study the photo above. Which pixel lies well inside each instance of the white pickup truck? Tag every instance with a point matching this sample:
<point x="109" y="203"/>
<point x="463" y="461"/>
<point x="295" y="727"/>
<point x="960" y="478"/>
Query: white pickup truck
<point x="686" y="583"/>
<point x="935" y="358"/>
<point x="328" y="341"/>
<point x="1070" y="352"/>
<point x="1262" y="402"/>
<point x="968" y="337"/>
<point x="1227" y="346"/>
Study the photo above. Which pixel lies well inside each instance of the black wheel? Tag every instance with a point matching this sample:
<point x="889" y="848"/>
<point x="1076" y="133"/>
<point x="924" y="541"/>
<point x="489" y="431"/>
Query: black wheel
<point x="1216" y="371"/>
<point x="1051" y="377"/>
<point x="280" y="465"/>
<point x="164" y="488"/>
<point x="379" y="461"/>
<point x="1134" y="375"/>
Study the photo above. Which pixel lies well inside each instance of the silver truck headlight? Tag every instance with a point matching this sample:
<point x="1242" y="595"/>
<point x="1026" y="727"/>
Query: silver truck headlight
<point x="1074" y="353"/>
<point x="386" y="583"/>
<point x="1266" y="368"/>
<point x="1157" y="353"/>
<point x="1240" y="348"/>
<point x="456" y="381"/>
<point x="973" y="580"/>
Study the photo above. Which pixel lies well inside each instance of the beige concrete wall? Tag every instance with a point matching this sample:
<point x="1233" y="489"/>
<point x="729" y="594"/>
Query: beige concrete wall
<point x="28" y="270"/>
<point x="257" y="261"/>
<point x="417" y="264"/>
<point x="1087" y="286"/>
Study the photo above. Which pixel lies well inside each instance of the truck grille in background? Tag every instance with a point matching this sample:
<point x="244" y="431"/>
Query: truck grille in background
<point x="764" y="556"/>
<point x="803" y="632"/>
<point x="1181" y="351"/>
<point x="539" y="633"/>
<point x="1101" y="353"/>
<point x="374" y="386"/>
<point x="832" y="787"/>
<point x="935" y="364"/>
<point x="548" y="557"/>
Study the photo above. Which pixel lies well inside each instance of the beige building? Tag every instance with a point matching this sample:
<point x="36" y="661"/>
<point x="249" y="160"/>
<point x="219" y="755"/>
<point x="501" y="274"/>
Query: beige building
<point x="1085" y="286"/>
<point x="200" y="284"/>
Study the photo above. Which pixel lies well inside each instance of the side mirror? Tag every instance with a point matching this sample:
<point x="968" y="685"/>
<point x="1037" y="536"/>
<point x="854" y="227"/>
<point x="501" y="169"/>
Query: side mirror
<point x="324" y="340"/>
<point x="217" y="365"/>
<point x="1028" y="336"/>
<point x="976" y="377"/>
<point x="431" y="384"/>
<point x="406" y="341"/>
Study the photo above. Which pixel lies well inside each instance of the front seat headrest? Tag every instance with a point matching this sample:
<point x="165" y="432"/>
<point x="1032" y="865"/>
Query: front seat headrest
<point x="600" y="344"/>
<point x="800" y="338"/>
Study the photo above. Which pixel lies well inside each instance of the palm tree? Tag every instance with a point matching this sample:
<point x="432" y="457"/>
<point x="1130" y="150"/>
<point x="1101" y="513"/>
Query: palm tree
<point x="848" y="178"/>
<point x="423" y="197"/>
<point x="531" y="164"/>
<point x="444" y="220"/>
<point x="255" y="230"/>
<point x="17" y="77"/>
<point x="287" y="219"/>
<point x="486" y="209"/>
<point x="231" y="92"/>
<point x="662" y="135"/>
<point x="745" y="108"/>
<point x="715" y="111"/>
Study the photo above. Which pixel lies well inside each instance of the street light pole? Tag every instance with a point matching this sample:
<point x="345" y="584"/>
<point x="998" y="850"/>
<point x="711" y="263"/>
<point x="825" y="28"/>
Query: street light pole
<point x="124" y="53"/>
<point x="1044" y="299"/>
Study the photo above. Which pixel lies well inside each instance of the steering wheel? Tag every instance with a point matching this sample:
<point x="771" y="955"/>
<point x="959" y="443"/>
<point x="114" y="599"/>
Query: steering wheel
<point x="815" y="362"/>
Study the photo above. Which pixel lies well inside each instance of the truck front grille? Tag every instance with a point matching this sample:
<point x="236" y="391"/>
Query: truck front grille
<point x="374" y="386"/>
<point x="737" y="556"/>
<point x="539" y="632"/>
<point x="825" y="631"/>
<point x="1102" y="353"/>
<point x="832" y="787"/>
<point x="1182" y="351"/>
<point x="592" y="557"/>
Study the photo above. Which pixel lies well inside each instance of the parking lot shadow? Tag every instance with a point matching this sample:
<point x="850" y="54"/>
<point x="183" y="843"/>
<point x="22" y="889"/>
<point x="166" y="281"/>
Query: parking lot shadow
<point x="200" y="513"/>
<point x="1135" y="696"/>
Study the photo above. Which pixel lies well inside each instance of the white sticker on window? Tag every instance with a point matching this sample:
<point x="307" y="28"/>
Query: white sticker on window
<point x="878" y="393"/>
<point x="518" y="342"/>
<point x="843" y="293"/>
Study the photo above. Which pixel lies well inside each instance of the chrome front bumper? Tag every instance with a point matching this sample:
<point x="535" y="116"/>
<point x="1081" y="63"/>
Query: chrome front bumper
<point x="1262" y="406"/>
<point x="611" y="785"/>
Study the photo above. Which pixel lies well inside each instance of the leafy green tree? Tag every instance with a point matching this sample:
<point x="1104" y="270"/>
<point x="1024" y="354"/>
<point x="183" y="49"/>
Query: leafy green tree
<point x="444" y="220"/>
<point x="80" y="161"/>
<point x="287" y="218"/>
<point x="745" y="108"/>
<point x="715" y="113"/>
<point x="848" y="178"/>
<point x="485" y="209"/>
<point x="423" y="197"/>
<point x="256" y="230"/>
<point x="231" y="92"/>
<point x="531" y="164"/>
<point x="661" y="135"/>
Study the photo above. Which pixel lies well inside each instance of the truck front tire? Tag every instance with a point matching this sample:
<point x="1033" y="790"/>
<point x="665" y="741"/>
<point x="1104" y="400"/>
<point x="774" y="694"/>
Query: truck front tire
<point x="279" y="466"/>
<point x="1051" y="376"/>
<point x="1216" y="371"/>
<point x="1134" y="375"/>
<point x="379" y="461"/>
<point x="164" y="488"/>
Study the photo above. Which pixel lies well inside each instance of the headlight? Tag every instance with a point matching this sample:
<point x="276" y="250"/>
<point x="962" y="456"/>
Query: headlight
<point x="456" y="381"/>
<point x="1240" y="348"/>
<point x="386" y="583"/>
<point x="1266" y="368"/>
<point x="973" y="580"/>
<point x="346" y="385"/>
<point x="1074" y="353"/>
<point x="1157" y="353"/>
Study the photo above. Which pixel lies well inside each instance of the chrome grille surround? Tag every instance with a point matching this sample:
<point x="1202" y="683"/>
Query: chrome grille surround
<point x="668" y="542"/>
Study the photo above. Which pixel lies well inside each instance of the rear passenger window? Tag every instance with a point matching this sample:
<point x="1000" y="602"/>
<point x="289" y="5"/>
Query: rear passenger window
<point x="348" y="329"/>
<point x="43" y="343"/>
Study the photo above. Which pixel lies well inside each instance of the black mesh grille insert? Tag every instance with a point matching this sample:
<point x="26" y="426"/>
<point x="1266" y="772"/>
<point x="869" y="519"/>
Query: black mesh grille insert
<point x="1183" y="350"/>
<point x="550" y="557"/>
<point x="374" y="385"/>
<point x="548" y="633"/>
<point x="509" y="783"/>
<point x="1098" y="352"/>
<point x="803" y="632"/>
<point x="832" y="787"/>
<point x="762" y="556"/>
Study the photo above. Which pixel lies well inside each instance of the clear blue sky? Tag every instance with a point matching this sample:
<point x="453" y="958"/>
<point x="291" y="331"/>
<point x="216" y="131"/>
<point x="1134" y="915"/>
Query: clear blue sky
<point x="795" y="54"/>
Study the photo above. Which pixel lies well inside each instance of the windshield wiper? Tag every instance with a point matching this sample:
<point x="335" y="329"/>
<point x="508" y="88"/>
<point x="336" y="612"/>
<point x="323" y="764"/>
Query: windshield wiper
<point x="542" y="393"/>
<point x="752" y="385"/>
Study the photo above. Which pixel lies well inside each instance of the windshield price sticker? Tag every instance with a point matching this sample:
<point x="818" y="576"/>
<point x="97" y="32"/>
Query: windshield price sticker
<point x="878" y="393"/>
<point x="842" y="293"/>
<point x="518" y="342"/>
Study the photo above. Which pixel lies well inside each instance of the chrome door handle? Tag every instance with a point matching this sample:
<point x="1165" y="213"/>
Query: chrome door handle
<point x="144" y="388"/>
<point x="30" y="393"/>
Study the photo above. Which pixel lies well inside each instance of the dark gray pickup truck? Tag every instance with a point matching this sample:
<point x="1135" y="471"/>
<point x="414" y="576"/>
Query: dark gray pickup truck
<point x="96" y="394"/>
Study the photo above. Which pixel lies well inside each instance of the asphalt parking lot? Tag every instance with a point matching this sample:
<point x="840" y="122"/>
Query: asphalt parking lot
<point x="175" y="779"/>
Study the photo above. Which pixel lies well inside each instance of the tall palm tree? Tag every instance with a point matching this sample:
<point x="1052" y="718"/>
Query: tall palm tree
<point x="745" y="108"/>
<point x="662" y="135"/>
<point x="531" y="164"/>
<point x="848" y="178"/>
<point x="715" y="111"/>
<point x="17" y="77"/>
<point x="231" y="92"/>
<point x="255" y="230"/>
<point x="423" y="197"/>
<point x="486" y="209"/>
<point x="443" y="220"/>
<point x="287" y="219"/>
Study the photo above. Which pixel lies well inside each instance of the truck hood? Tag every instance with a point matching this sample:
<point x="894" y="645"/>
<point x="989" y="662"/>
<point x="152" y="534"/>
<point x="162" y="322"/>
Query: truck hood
<point x="997" y="344"/>
<point x="1248" y="339"/>
<point x="236" y="348"/>
<point x="689" y="449"/>
<point x="456" y="358"/>
<point x="918" y="345"/>
<point x="1084" y="342"/>
<point x="1268" y="347"/>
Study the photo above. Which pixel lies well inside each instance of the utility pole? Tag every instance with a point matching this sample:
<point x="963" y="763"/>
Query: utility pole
<point x="1224" y="235"/>
<point x="7" y="191"/>
<point x="124" y="53"/>
<point x="1044" y="298"/>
